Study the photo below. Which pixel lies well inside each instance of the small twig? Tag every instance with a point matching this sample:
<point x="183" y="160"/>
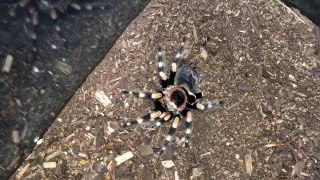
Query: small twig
<point x="116" y="79"/>
<point x="292" y="12"/>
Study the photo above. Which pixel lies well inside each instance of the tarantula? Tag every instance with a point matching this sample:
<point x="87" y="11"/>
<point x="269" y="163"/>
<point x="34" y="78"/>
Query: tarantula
<point x="178" y="95"/>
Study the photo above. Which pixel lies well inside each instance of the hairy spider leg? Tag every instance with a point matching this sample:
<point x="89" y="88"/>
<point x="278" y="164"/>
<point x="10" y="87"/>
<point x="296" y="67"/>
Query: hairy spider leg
<point x="138" y="94"/>
<point x="176" y="61"/>
<point x="188" y="122"/>
<point x="199" y="95"/>
<point x="163" y="76"/>
<point x="172" y="130"/>
<point x="163" y="118"/>
<point x="151" y="116"/>
<point x="208" y="106"/>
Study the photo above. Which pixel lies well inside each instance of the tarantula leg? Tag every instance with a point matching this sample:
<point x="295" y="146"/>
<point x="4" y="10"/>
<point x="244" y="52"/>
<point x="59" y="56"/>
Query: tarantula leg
<point x="155" y="95"/>
<point x="148" y="117"/>
<point x="159" y="106"/>
<point x="172" y="130"/>
<point x="209" y="106"/>
<point x="163" y="76"/>
<point x="188" y="122"/>
<point x="164" y="117"/>
<point x="190" y="96"/>
<point x="199" y="95"/>
<point x="177" y="59"/>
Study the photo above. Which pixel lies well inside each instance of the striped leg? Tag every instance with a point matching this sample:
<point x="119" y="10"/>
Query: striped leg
<point x="188" y="130"/>
<point x="199" y="95"/>
<point x="177" y="59"/>
<point x="155" y="95"/>
<point x="209" y="106"/>
<point x="148" y="117"/>
<point x="172" y="130"/>
<point x="163" y="76"/>
<point x="164" y="117"/>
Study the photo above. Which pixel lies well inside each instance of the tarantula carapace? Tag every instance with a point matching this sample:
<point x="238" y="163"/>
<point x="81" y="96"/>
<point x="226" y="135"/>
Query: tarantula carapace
<point x="179" y="94"/>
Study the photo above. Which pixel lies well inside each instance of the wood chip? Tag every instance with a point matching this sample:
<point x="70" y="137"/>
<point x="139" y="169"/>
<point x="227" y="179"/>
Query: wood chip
<point x="159" y="5"/>
<point x="124" y="157"/>
<point x="83" y="155"/>
<point x="52" y="155"/>
<point x="76" y="6"/>
<point x="203" y="53"/>
<point x="196" y="172"/>
<point x="49" y="165"/>
<point x="167" y="163"/>
<point x="176" y="176"/>
<point x="111" y="170"/>
<point x="114" y="80"/>
<point x="7" y="64"/>
<point x="102" y="98"/>
<point x="292" y="78"/>
<point x="63" y="67"/>
<point x="195" y="35"/>
<point x="15" y="137"/>
<point x="22" y="171"/>
<point x="248" y="163"/>
<point x="270" y="145"/>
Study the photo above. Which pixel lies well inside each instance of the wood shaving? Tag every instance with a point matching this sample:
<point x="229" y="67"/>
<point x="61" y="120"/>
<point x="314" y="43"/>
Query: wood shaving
<point x="102" y="98"/>
<point x="124" y="157"/>
<point x="49" y="165"/>
<point x="167" y="163"/>
<point x="248" y="163"/>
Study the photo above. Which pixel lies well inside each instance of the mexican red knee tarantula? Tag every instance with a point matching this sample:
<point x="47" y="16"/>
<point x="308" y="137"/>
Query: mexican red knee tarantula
<point x="179" y="94"/>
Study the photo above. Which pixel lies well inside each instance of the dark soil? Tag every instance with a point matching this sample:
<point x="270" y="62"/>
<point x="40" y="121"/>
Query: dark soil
<point x="258" y="56"/>
<point x="48" y="69"/>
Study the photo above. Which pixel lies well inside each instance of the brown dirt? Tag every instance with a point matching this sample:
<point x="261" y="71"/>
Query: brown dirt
<point x="262" y="60"/>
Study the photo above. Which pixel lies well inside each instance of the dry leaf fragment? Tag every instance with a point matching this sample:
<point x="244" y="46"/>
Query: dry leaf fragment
<point x="167" y="163"/>
<point x="298" y="167"/>
<point x="248" y="163"/>
<point x="124" y="157"/>
<point x="83" y="162"/>
<point x="100" y="140"/>
<point x="146" y="150"/>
